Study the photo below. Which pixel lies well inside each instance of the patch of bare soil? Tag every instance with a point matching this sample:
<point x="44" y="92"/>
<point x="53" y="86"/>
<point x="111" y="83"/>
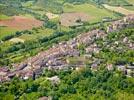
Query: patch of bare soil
<point x="21" y="23"/>
<point x="71" y="19"/>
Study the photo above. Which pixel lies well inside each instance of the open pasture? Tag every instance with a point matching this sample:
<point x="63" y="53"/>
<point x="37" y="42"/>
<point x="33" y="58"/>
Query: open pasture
<point x="36" y="34"/>
<point x="5" y="31"/>
<point x="96" y="13"/>
<point x="4" y="17"/>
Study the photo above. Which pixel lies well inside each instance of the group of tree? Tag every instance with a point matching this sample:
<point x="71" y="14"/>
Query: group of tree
<point x="83" y="84"/>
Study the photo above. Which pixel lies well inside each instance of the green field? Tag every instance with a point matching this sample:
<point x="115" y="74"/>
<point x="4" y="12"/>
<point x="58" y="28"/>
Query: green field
<point x="37" y="34"/>
<point x="5" y="31"/>
<point x="129" y="7"/>
<point x="96" y="13"/>
<point x="40" y="33"/>
<point x="130" y="1"/>
<point x="3" y="17"/>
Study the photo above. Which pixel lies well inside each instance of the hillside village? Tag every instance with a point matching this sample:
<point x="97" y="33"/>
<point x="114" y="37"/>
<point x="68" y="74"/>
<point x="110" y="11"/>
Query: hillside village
<point x="66" y="49"/>
<point x="53" y="57"/>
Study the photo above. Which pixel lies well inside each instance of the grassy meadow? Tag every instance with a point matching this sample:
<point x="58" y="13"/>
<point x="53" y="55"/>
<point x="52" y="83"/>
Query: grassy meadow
<point x="5" y="31"/>
<point x="36" y="34"/>
<point x="130" y="1"/>
<point x="97" y="14"/>
<point x="4" y="17"/>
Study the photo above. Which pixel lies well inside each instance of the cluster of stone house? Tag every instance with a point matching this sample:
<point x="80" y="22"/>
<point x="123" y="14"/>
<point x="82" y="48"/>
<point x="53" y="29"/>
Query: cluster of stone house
<point x="3" y="73"/>
<point x="121" y="45"/>
<point x="89" y="37"/>
<point x="92" y="49"/>
<point x="95" y="64"/>
<point x="127" y="21"/>
<point x="128" y="70"/>
<point x="52" y="58"/>
<point x="129" y="43"/>
<point x="33" y="66"/>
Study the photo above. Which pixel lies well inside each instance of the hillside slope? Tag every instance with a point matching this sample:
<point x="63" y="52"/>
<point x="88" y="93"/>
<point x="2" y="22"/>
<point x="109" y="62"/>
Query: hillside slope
<point x="102" y="77"/>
